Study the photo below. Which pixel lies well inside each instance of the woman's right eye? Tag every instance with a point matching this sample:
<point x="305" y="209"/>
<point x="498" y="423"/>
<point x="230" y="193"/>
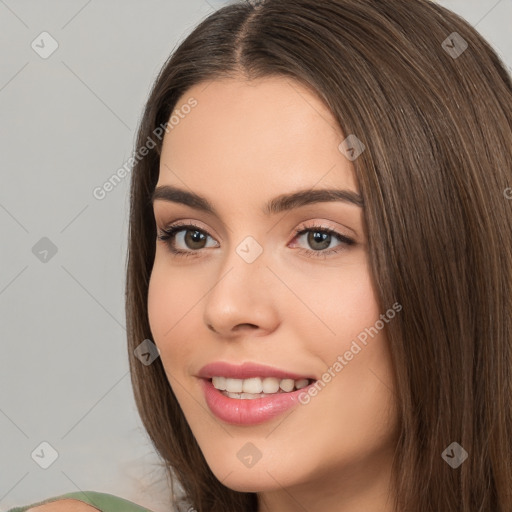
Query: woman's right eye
<point x="188" y="236"/>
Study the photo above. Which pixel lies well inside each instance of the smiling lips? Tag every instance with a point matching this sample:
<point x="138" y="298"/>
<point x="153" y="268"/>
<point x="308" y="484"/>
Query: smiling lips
<point x="250" y="393"/>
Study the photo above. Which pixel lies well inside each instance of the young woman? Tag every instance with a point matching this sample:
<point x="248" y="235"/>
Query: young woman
<point x="319" y="282"/>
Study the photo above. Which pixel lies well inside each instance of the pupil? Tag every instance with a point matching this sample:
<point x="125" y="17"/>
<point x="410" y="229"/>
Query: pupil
<point x="318" y="237"/>
<point x="195" y="237"/>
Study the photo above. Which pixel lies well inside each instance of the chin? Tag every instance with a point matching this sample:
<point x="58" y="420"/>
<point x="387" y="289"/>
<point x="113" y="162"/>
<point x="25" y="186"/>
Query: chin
<point x="247" y="481"/>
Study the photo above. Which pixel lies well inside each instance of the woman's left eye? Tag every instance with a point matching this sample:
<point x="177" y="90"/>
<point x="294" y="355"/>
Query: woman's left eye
<point x="193" y="237"/>
<point x="321" y="238"/>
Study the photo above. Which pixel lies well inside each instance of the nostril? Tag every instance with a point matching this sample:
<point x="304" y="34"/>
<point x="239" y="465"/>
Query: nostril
<point x="241" y="326"/>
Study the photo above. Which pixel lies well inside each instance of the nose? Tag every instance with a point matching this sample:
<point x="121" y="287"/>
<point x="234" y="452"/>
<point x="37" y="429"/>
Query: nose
<point x="243" y="298"/>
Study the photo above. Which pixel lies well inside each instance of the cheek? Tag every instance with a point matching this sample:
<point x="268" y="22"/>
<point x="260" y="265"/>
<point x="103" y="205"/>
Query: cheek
<point x="338" y="309"/>
<point x="159" y="308"/>
<point x="343" y="329"/>
<point x="171" y="297"/>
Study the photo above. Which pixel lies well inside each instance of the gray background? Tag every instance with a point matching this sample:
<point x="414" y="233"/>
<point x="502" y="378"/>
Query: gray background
<point x="67" y="123"/>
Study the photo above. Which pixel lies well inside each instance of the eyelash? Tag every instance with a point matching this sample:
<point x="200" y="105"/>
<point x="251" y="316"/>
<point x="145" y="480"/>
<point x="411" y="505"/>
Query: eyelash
<point x="168" y="235"/>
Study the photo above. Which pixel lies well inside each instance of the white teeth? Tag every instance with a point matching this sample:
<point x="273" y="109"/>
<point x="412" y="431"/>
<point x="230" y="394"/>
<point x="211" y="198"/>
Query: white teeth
<point x="302" y="383"/>
<point x="256" y="387"/>
<point x="287" y="384"/>
<point x="253" y="385"/>
<point x="270" y="385"/>
<point x="234" y="385"/>
<point x="219" y="383"/>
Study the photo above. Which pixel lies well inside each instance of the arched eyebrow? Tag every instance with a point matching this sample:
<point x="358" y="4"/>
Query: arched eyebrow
<point x="276" y="205"/>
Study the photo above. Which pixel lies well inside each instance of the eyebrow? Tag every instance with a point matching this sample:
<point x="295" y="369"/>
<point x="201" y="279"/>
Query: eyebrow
<point x="276" y="205"/>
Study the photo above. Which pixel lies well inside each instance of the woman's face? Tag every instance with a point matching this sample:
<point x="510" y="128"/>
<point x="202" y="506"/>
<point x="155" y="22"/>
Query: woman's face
<point x="248" y="289"/>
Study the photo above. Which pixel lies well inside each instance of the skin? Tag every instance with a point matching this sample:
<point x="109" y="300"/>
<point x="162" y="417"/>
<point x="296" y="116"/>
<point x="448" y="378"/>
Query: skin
<point x="243" y="144"/>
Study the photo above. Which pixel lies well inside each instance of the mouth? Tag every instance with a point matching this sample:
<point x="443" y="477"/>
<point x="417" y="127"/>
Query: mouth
<point x="257" y="387"/>
<point x="251" y="393"/>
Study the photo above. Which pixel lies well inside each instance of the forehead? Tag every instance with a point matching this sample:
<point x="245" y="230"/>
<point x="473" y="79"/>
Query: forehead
<point x="254" y="138"/>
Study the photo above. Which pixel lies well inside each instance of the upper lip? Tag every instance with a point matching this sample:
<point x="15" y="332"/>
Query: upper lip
<point x="246" y="371"/>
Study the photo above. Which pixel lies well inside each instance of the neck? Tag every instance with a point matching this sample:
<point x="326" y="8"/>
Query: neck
<point x="361" y="487"/>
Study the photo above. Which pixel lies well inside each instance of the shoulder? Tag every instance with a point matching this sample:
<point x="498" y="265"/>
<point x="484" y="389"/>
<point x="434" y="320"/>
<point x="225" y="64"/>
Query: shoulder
<point x="83" y="501"/>
<point x="66" y="505"/>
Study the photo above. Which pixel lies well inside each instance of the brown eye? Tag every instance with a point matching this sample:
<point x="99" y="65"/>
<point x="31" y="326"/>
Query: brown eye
<point x="190" y="237"/>
<point x="194" y="239"/>
<point x="319" y="239"/>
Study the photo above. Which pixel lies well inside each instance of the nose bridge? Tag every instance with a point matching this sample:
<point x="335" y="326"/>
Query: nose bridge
<point x="249" y="250"/>
<point x="241" y="293"/>
<point x="244" y="266"/>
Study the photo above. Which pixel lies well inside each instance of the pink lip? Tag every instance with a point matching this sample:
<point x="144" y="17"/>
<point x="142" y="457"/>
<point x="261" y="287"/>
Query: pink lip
<point x="246" y="371"/>
<point x="246" y="411"/>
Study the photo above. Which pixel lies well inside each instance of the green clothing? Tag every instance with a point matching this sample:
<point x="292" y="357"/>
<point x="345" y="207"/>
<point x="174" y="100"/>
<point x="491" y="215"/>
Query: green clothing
<point x="101" y="501"/>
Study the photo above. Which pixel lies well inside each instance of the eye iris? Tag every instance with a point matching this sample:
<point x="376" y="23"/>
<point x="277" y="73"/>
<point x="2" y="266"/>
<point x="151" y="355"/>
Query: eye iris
<point x="318" y="237"/>
<point x="194" y="237"/>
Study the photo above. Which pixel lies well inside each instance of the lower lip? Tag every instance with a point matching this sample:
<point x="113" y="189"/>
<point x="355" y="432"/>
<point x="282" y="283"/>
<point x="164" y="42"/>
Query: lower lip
<point x="239" y="411"/>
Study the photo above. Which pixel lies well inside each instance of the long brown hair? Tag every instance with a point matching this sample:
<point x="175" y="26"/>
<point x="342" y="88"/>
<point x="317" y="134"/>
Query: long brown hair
<point x="432" y="103"/>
